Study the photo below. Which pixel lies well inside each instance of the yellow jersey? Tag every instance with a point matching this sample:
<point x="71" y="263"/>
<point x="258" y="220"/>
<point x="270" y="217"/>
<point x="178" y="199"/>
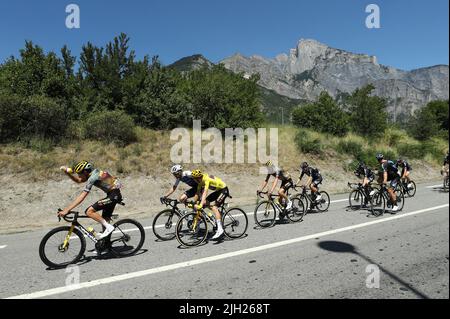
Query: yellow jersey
<point x="211" y="182"/>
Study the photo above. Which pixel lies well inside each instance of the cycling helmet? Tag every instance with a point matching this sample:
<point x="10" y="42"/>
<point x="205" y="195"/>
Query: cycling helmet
<point x="304" y="165"/>
<point x="176" y="169"/>
<point x="197" y="174"/>
<point x="83" y="166"/>
<point x="269" y="163"/>
<point x="380" y="157"/>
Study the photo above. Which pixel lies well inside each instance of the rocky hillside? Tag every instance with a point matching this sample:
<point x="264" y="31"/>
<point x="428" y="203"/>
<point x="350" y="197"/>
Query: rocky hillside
<point x="313" y="67"/>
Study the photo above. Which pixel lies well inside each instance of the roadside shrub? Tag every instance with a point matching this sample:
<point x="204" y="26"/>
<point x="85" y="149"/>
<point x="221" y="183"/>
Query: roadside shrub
<point x="352" y="148"/>
<point x="414" y="151"/>
<point x="111" y="127"/>
<point x="308" y="144"/>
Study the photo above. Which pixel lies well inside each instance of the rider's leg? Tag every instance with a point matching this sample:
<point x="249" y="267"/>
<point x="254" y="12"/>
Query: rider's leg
<point x="91" y="212"/>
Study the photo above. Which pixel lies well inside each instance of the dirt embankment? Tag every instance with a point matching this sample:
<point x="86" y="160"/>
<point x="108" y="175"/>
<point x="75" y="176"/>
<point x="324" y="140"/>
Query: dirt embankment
<point x="27" y="205"/>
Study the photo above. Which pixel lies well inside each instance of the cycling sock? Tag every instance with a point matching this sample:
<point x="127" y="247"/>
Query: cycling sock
<point x="104" y="223"/>
<point x="219" y="224"/>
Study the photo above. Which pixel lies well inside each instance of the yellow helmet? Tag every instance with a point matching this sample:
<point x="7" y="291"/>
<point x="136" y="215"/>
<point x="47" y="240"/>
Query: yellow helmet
<point x="269" y="163"/>
<point x="83" y="166"/>
<point x="197" y="173"/>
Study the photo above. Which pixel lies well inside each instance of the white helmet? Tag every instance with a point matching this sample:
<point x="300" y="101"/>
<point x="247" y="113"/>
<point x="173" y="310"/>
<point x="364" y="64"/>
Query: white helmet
<point x="176" y="169"/>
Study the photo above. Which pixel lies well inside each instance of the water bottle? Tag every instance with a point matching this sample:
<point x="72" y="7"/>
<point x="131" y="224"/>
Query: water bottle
<point x="91" y="231"/>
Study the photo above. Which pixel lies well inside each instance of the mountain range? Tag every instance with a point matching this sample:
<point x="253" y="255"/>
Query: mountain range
<point x="312" y="67"/>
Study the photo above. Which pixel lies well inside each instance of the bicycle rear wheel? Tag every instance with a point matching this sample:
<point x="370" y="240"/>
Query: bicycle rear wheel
<point x="191" y="230"/>
<point x="164" y="224"/>
<point x="400" y="199"/>
<point x="446" y="184"/>
<point x="298" y="211"/>
<point x="411" y="191"/>
<point x="323" y="204"/>
<point x="265" y="214"/>
<point x="127" y="238"/>
<point x="59" y="248"/>
<point x="235" y="223"/>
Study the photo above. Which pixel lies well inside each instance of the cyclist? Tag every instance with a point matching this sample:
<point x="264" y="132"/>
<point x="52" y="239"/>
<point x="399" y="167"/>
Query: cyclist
<point x="210" y="182"/>
<point x="185" y="177"/>
<point x="286" y="183"/>
<point x="314" y="179"/>
<point x="445" y="166"/>
<point x="101" y="179"/>
<point x="406" y="171"/>
<point x="368" y="176"/>
<point x="389" y="174"/>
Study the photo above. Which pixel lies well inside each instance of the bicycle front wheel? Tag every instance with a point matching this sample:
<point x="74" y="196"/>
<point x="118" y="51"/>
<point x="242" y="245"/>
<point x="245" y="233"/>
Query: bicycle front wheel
<point x="164" y="224"/>
<point x="298" y="210"/>
<point x="191" y="230"/>
<point x="127" y="238"/>
<point x="60" y="247"/>
<point x="265" y="214"/>
<point x="235" y="223"/>
<point x="356" y="199"/>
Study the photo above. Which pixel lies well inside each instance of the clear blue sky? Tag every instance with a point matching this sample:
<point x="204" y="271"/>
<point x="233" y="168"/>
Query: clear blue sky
<point x="413" y="33"/>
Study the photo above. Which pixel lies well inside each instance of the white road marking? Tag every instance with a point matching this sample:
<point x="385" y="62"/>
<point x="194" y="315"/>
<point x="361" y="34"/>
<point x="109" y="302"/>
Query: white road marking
<point x="4" y="246"/>
<point x="434" y="186"/>
<point x="137" y="274"/>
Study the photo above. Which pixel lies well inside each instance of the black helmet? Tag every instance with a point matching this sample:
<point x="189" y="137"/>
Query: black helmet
<point x="304" y="165"/>
<point x="380" y="157"/>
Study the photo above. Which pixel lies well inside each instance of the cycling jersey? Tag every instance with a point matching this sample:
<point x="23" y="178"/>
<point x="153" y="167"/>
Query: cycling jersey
<point x="391" y="169"/>
<point x="446" y="160"/>
<point x="103" y="180"/>
<point x="311" y="172"/>
<point x="186" y="178"/>
<point x="404" y="165"/>
<point x="366" y="172"/>
<point x="211" y="182"/>
<point x="275" y="171"/>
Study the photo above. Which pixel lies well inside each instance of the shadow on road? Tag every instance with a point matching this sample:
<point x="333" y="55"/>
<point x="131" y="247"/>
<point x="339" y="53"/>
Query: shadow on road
<point x="341" y="247"/>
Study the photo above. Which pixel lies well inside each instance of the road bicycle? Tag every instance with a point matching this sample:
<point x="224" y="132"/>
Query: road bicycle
<point x="165" y="221"/>
<point x="311" y="203"/>
<point x="66" y="245"/>
<point x="383" y="201"/>
<point x="266" y="211"/>
<point x="192" y="228"/>
<point x="446" y="183"/>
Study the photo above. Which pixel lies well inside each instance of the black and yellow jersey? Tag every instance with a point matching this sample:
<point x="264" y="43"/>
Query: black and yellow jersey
<point x="211" y="182"/>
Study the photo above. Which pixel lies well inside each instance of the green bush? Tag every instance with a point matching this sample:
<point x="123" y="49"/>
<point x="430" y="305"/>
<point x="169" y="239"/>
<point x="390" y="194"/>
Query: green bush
<point x="32" y="117"/>
<point x="414" y="151"/>
<point x="349" y="148"/>
<point x="308" y="144"/>
<point x="111" y="127"/>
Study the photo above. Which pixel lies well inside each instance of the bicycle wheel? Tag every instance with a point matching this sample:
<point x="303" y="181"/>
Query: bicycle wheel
<point x="297" y="212"/>
<point x="378" y="204"/>
<point x="400" y="199"/>
<point x="164" y="224"/>
<point x="323" y="204"/>
<point x="191" y="230"/>
<point x="411" y="191"/>
<point x="356" y="199"/>
<point x="265" y="214"/>
<point x="446" y="184"/>
<point x="235" y="223"/>
<point x="55" y="254"/>
<point x="127" y="238"/>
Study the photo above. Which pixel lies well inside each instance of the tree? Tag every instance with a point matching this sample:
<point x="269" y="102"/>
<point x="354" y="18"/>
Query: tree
<point x="324" y="115"/>
<point x="368" y="115"/>
<point x="429" y="121"/>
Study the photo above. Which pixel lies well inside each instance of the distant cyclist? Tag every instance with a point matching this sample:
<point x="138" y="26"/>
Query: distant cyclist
<point x="215" y="199"/>
<point x="390" y="174"/>
<point x="406" y="171"/>
<point x="367" y="176"/>
<point x="185" y="177"/>
<point x="101" y="179"/>
<point x="445" y="165"/>
<point x="314" y="179"/>
<point x="279" y="175"/>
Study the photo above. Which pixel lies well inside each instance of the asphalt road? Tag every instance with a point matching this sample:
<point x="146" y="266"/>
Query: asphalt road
<point x="335" y="254"/>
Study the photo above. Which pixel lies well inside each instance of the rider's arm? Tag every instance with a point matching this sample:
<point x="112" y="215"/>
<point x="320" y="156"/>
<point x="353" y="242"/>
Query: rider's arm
<point x="76" y="179"/>
<point x="385" y="177"/>
<point x="75" y="203"/>
<point x="171" y="191"/>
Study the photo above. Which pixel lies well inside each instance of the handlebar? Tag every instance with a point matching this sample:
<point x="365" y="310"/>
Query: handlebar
<point x="169" y="202"/>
